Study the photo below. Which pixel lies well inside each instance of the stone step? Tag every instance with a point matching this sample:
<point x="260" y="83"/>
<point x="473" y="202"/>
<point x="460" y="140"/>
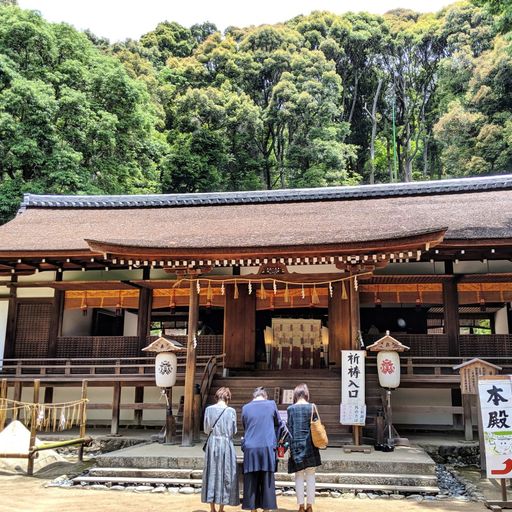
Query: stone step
<point x="365" y="465"/>
<point x="398" y="487"/>
<point x="321" y="476"/>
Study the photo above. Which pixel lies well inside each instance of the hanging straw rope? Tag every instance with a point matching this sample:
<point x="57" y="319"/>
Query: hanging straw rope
<point x="55" y="417"/>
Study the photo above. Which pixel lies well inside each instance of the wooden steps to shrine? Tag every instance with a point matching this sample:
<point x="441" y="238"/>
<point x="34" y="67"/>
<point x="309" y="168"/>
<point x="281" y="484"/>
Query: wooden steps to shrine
<point x="324" y="387"/>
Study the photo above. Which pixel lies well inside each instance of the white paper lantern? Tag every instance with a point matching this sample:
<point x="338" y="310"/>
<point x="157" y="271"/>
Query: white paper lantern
<point x="166" y="366"/>
<point x="388" y="366"/>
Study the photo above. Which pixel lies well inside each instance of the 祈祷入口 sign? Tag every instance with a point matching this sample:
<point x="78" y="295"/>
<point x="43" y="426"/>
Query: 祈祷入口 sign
<point x="495" y="395"/>
<point x="353" y="407"/>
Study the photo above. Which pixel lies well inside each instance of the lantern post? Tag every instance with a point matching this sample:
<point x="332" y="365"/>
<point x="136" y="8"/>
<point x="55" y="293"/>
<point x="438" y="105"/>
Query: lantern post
<point x="166" y="369"/>
<point x="388" y="368"/>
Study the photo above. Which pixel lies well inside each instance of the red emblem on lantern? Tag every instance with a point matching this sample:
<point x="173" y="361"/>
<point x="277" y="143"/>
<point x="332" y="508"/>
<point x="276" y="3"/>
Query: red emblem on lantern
<point x="387" y="366"/>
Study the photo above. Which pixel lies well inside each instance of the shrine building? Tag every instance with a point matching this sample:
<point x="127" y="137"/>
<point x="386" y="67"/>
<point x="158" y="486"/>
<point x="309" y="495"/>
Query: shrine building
<point x="257" y="286"/>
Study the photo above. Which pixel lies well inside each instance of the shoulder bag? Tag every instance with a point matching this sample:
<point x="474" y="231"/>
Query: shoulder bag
<point x="318" y="433"/>
<point x="210" y="433"/>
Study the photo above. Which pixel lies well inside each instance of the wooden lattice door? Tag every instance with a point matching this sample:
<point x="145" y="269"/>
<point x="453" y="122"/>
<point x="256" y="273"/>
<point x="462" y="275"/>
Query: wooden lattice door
<point x="32" y="331"/>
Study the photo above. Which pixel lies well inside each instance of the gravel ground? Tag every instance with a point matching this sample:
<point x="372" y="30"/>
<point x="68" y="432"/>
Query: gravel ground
<point x="24" y="494"/>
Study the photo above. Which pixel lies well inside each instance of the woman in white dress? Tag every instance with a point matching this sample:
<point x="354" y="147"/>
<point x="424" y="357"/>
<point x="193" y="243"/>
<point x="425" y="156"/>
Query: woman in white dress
<point x="220" y="481"/>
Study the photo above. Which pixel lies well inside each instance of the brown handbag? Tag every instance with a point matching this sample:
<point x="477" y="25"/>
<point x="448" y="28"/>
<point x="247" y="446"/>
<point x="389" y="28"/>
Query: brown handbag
<point x="318" y="433"/>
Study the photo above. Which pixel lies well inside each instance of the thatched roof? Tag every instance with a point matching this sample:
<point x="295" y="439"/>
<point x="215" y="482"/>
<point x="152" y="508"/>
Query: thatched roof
<point x="471" y="209"/>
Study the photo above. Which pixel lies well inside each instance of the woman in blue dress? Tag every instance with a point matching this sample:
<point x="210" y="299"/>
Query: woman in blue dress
<point x="262" y="426"/>
<point x="304" y="456"/>
<point x="220" y="481"/>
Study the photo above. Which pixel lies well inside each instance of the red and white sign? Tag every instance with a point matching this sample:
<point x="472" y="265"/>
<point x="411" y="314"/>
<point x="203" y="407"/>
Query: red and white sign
<point x="495" y="395"/>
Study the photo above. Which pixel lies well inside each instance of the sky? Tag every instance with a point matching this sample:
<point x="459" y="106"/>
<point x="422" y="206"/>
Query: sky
<point x="121" y="19"/>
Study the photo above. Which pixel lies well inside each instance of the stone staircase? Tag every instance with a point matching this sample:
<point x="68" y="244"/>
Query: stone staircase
<point x="407" y="470"/>
<point x="324" y="387"/>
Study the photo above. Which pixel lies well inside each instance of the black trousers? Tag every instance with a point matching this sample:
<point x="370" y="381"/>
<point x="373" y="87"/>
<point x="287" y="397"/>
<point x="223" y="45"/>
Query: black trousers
<point x="259" y="491"/>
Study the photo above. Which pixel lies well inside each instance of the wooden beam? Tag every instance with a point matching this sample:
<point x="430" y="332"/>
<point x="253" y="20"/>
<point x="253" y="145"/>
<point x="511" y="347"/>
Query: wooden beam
<point x="10" y="332"/>
<point x="339" y="323"/>
<point x="451" y="311"/>
<point x="355" y="321"/>
<point x="56" y="318"/>
<point x="144" y="313"/>
<point x="239" y="327"/>
<point x="116" y="402"/>
<point x="190" y="371"/>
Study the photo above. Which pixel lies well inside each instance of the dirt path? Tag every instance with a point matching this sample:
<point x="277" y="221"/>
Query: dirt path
<point x="23" y="494"/>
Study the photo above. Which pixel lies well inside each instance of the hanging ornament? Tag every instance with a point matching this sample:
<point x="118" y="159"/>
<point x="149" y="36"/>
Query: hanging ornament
<point x="344" y="295"/>
<point x="172" y="303"/>
<point x="40" y="417"/>
<point x="286" y="294"/>
<point x="356" y="284"/>
<point x="314" y="296"/>
<point x="330" y="289"/>
<point x="84" y="306"/>
<point x="418" y="298"/>
<point x="274" y="286"/>
<point x="62" y="421"/>
<point x="222" y="289"/>
<point x="263" y="293"/>
<point x="250" y="288"/>
<point x="235" y="295"/>
<point x="377" y="301"/>
<point x="302" y="292"/>
<point x="198" y="286"/>
<point x="209" y="295"/>
<point x="119" y="306"/>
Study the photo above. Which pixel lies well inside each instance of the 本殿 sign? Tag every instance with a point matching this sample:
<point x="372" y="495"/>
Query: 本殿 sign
<point x="495" y="395"/>
<point x="353" y="407"/>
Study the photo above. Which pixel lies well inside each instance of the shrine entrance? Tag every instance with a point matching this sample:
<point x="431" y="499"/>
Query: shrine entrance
<point x="296" y="343"/>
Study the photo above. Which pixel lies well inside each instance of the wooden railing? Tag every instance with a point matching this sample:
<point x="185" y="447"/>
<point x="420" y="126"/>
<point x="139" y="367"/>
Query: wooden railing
<point x="210" y="370"/>
<point x="436" y="345"/>
<point x="106" y="369"/>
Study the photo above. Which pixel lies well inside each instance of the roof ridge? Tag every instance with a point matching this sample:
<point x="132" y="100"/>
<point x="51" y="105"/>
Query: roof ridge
<point x="449" y="186"/>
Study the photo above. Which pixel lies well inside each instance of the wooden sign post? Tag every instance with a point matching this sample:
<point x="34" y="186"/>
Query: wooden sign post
<point x="469" y="373"/>
<point x="353" y="406"/>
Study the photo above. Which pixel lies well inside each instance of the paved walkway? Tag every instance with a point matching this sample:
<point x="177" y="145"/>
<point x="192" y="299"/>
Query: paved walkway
<point x="23" y="494"/>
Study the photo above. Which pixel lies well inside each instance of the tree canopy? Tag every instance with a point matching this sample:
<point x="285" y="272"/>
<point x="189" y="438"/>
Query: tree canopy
<point x="322" y="99"/>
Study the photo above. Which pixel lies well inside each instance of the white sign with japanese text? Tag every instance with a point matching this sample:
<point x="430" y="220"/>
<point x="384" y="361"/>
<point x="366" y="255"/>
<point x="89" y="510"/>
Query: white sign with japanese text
<point x="353" y="414"/>
<point x="353" y="409"/>
<point x="495" y="395"/>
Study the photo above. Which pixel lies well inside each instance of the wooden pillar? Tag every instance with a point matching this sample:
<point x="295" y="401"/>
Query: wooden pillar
<point x="451" y="311"/>
<point x="337" y="324"/>
<point x="10" y="331"/>
<point x="143" y="331"/>
<point x="55" y="330"/>
<point x="18" y="389"/>
<point x="239" y="327"/>
<point x="116" y="406"/>
<point x="83" y="418"/>
<point x="33" y="430"/>
<point x="56" y="318"/>
<point x="190" y="369"/>
<point x="343" y="320"/>
<point x="355" y="316"/>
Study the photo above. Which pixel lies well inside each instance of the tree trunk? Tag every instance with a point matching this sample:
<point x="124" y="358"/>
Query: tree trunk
<point x="374" y="132"/>
<point x="354" y="98"/>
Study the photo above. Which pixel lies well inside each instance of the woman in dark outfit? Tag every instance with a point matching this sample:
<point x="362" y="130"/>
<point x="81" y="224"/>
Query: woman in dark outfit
<point x="262" y="424"/>
<point x="304" y="456"/>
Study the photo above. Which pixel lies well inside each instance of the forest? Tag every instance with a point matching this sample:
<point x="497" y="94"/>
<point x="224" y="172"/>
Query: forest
<point x="319" y="100"/>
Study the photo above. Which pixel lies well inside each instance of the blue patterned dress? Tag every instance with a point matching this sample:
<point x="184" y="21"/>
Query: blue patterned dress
<point x="303" y="454"/>
<point x="220" y="482"/>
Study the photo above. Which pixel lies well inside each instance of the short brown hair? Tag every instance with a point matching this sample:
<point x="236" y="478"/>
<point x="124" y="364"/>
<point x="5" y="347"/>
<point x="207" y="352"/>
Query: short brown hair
<point x="223" y="393"/>
<point x="301" y="391"/>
